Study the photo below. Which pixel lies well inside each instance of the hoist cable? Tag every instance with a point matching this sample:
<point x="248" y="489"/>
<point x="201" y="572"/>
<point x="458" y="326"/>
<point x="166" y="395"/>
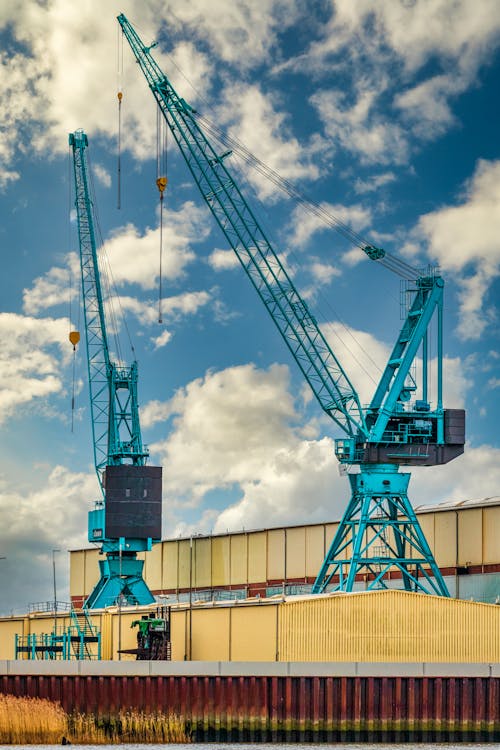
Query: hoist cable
<point x="392" y="263"/>
<point x="73" y="390"/>
<point x="160" y="291"/>
<point x="161" y="183"/>
<point x="327" y="324"/>
<point x="107" y="277"/>
<point x="120" y="97"/>
<point x="389" y="261"/>
<point x="71" y="294"/>
<point x="119" y="162"/>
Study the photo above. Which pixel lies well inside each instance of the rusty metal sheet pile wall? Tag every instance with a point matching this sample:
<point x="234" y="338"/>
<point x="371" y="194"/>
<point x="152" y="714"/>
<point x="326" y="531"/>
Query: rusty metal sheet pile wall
<point x="267" y="708"/>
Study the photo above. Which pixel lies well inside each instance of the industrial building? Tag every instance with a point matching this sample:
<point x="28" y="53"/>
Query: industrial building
<point x="370" y="626"/>
<point x="224" y="589"/>
<point x="464" y="538"/>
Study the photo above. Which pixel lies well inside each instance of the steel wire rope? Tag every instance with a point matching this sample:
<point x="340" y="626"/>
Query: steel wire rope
<point x="161" y="182"/>
<point x="327" y="323"/>
<point x="219" y="136"/>
<point x="78" y="302"/>
<point x="109" y="281"/>
<point x="261" y="167"/>
<point x="389" y="261"/>
<point x="120" y="97"/>
<point x="394" y="264"/>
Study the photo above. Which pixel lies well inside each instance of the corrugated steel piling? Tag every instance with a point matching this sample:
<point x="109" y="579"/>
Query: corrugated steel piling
<point x="287" y="702"/>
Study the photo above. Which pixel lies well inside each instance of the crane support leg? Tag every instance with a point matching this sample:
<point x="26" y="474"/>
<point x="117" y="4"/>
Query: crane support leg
<point x="121" y="577"/>
<point x="379" y="538"/>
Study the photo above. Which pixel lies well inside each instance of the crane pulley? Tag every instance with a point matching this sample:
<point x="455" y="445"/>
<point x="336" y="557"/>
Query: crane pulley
<point x="379" y="535"/>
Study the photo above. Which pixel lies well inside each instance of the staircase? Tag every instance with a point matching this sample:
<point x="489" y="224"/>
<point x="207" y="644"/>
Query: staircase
<point x="82" y="635"/>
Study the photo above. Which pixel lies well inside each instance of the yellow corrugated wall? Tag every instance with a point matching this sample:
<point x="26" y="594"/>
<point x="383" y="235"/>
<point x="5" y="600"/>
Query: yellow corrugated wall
<point x="389" y="626"/>
<point x="462" y="536"/>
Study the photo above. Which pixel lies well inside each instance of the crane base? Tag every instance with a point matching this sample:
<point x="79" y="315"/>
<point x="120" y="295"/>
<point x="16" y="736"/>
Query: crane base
<point x="121" y="579"/>
<point x="379" y="538"/>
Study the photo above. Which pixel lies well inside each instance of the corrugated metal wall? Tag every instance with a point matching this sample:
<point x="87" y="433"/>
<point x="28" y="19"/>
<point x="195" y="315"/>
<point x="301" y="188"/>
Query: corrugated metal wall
<point x="388" y="626"/>
<point x="382" y="626"/>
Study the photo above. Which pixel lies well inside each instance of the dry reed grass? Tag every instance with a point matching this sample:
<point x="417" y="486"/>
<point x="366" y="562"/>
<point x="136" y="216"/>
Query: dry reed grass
<point x="25" y="721"/>
<point x="127" y="726"/>
<point x="30" y="721"/>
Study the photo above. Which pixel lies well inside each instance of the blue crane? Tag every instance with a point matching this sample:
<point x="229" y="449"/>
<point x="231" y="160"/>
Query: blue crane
<point x="127" y="517"/>
<point x="379" y="536"/>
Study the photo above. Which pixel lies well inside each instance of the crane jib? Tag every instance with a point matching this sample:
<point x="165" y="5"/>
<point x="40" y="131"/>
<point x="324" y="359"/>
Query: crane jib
<point x="245" y="235"/>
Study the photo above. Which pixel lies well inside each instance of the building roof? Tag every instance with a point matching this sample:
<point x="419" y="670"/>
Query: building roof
<point x="458" y="504"/>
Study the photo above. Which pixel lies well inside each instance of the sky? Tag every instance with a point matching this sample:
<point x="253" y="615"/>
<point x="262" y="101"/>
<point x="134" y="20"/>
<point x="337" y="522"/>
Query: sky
<point x="384" y="113"/>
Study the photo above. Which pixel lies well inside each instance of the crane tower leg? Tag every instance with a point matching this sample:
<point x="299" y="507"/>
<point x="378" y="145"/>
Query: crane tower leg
<point x="121" y="578"/>
<point x="379" y="538"/>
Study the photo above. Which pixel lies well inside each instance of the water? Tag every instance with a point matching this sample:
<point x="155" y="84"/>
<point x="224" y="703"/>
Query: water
<point x="278" y="746"/>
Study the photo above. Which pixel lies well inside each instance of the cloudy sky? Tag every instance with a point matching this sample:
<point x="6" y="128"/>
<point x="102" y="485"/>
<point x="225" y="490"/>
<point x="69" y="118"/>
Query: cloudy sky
<point x="384" y="113"/>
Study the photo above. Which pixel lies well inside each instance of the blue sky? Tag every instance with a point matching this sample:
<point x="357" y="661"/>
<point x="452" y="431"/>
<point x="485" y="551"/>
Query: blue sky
<point x="386" y="113"/>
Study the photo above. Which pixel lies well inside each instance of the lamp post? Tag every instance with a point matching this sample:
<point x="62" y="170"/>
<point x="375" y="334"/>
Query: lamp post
<point x="55" y="590"/>
<point x="120" y="547"/>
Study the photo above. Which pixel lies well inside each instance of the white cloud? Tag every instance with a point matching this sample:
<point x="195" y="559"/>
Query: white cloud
<point x="373" y="183"/>
<point x="323" y="273"/>
<point x="363" y="358"/>
<point x="361" y="128"/>
<point x="383" y="49"/>
<point x="16" y="110"/>
<point x="119" y="263"/>
<point x="66" y="60"/>
<point x="237" y="429"/>
<point x="28" y="534"/>
<point x="361" y="355"/>
<point x="298" y="484"/>
<point x="147" y="312"/>
<point x="222" y="260"/>
<point x="187" y="303"/>
<point x="427" y="106"/>
<point x="102" y="175"/>
<point x="242" y="33"/>
<point x="475" y="474"/>
<point x="462" y="36"/>
<point x="30" y="360"/>
<point x="162" y="340"/>
<point x="6" y="176"/>
<point x="154" y="412"/>
<point x="304" y="224"/>
<point x="226" y="426"/>
<point x="49" y="290"/>
<point x="181" y="228"/>
<point x="69" y="60"/>
<point x="465" y="240"/>
<point x="266" y="132"/>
